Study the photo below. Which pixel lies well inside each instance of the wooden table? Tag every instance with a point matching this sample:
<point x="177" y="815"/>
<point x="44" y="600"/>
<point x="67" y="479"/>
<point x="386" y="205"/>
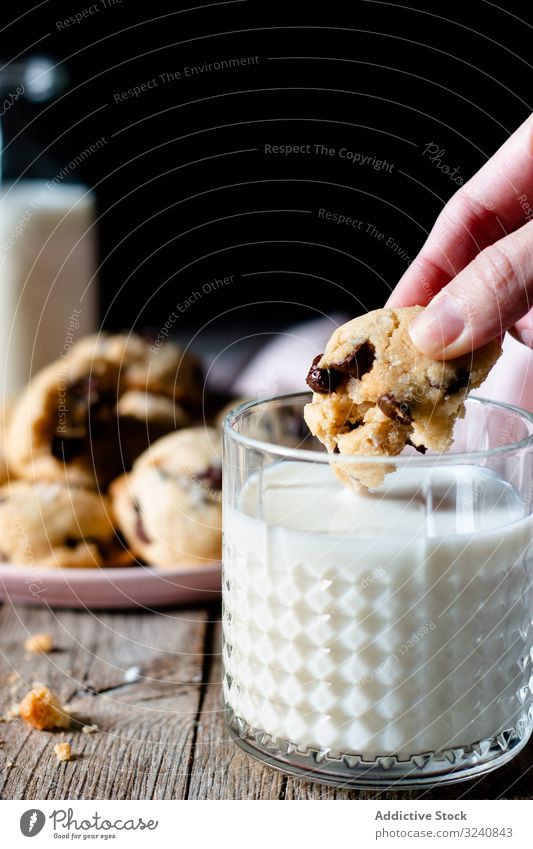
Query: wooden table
<point x="151" y="682"/>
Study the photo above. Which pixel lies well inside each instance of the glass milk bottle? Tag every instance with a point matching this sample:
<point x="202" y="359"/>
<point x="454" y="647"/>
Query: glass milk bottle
<point x="47" y="248"/>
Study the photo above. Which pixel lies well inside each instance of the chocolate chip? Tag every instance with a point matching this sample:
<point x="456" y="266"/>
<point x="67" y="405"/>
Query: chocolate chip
<point x="85" y="400"/>
<point x="460" y="382"/>
<point x="420" y="448"/>
<point x="105" y="549"/>
<point x="353" y="426"/>
<point x="396" y="410"/>
<point x="456" y="383"/>
<point x="85" y="390"/>
<point x="359" y="362"/>
<point x="73" y="542"/>
<point x="323" y="380"/>
<point x="212" y="477"/>
<point x="139" y="528"/>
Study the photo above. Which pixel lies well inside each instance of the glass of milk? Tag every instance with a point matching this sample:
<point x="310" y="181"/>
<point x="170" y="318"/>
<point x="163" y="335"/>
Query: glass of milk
<point x="378" y="638"/>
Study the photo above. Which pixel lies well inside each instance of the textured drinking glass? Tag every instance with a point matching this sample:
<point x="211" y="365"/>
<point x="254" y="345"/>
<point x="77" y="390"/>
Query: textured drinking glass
<point x="384" y="637"/>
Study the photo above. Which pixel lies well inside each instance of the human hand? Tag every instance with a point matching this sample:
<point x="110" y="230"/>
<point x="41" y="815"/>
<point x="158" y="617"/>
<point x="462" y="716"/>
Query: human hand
<point x="476" y="266"/>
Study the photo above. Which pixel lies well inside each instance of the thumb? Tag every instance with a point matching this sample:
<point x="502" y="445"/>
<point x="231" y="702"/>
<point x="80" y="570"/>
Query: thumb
<point x="482" y="302"/>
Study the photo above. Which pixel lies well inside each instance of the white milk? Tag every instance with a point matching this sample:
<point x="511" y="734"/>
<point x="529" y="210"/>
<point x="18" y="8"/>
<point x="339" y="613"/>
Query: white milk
<point x="47" y="262"/>
<point x="398" y="623"/>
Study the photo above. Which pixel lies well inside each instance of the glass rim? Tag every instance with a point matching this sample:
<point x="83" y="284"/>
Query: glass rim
<point x="304" y="454"/>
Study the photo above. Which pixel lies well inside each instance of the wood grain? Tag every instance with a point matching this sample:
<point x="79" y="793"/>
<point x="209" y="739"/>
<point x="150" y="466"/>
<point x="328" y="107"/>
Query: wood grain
<point x="147" y="726"/>
<point x="161" y="733"/>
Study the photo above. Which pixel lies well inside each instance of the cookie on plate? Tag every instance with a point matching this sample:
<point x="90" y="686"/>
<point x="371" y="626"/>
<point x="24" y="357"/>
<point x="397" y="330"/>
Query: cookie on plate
<point x="168" y="507"/>
<point x="4" y="422"/>
<point x="143" y="418"/>
<point x="375" y="393"/>
<point x="85" y="418"/>
<point x="165" y="370"/>
<point x="51" y="525"/>
<point x="63" y="427"/>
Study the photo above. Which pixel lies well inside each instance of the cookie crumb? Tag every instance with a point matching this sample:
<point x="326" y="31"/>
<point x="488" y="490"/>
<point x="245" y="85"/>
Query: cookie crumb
<point x="10" y="764"/>
<point x="63" y="751"/>
<point x="89" y="729"/>
<point x="42" y="709"/>
<point x="132" y="674"/>
<point x="39" y="643"/>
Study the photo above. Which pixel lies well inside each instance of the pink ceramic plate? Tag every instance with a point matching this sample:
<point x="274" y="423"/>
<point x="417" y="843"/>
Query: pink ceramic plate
<point x="99" y="588"/>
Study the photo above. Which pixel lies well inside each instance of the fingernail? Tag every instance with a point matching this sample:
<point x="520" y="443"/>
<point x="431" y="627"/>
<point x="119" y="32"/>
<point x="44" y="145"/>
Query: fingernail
<point x="438" y="327"/>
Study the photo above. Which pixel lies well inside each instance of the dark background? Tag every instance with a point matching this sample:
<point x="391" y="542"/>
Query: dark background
<point x="185" y="190"/>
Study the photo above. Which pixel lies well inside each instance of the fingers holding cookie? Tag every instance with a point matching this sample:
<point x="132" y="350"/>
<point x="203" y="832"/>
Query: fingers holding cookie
<point x="374" y="392"/>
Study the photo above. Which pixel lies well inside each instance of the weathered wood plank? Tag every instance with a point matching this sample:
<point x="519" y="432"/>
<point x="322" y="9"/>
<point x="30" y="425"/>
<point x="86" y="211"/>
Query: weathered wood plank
<point x="147" y="726"/>
<point x="221" y="770"/>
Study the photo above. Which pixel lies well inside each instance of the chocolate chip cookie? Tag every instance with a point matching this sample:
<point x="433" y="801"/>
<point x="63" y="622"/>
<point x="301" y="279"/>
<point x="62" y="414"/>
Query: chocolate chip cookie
<point x="86" y="417"/>
<point x="64" y="426"/>
<point x="4" y="422"/>
<point x="374" y="392"/>
<point x="164" y="370"/>
<point x="51" y="525"/>
<point x="168" y="507"/>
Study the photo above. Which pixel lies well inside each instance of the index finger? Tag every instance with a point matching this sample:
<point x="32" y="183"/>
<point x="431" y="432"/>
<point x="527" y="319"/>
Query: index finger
<point x="493" y="203"/>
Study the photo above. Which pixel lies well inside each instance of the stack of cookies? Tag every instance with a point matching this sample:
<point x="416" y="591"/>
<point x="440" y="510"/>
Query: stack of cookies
<point x="105" y="464"/>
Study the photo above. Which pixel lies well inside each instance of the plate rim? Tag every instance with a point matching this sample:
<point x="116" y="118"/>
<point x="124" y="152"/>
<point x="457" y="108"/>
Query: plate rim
<point x="119" y="587"/>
